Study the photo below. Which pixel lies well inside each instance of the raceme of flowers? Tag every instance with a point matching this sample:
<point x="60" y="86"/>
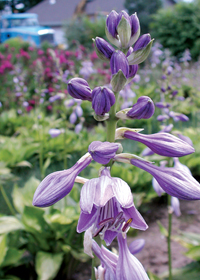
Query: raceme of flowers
<point x="106" y="202"/>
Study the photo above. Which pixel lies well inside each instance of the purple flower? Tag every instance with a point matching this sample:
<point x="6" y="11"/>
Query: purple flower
<point x="78" y="128"/>
<point x="174" y="182"/>
<point x="122" y="267"/>
<point x="162" y="143"/>
<point x="54" y="132"/>
<point x="147" y="152"/>
<point x="73" y="118"/>
<point x="178" y="117"/>
<point x="103" y="152"/>
<point x="168" y="128"/>
<point x="185" y="138"/>
<point x="107" y="206"/>
<point x="102" y="100"/>
<point x="162" y="105"/>
<point x="58" y="184"/>
<point x="79" y="88"/>
<point x="142" y="42"/>
<point x="111" y="23"/>
<point x="119" y="62"/>
<point x="103" y="48"/>
<point x="54" y="98"/>
<point x="136" y="246"/>
<point x="143" y="109"/>
<point x="161" y="118"/>
<point x="181" y="167"/>
<point x="157" y="187"/>
<point x="132" y="70"/>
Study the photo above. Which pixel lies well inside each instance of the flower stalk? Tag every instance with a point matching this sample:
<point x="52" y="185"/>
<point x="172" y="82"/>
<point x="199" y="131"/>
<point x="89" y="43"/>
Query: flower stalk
<point x="169" y="237"/>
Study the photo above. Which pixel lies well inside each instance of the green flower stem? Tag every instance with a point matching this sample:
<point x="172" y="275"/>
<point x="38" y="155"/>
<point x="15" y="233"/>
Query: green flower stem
<point x="111" y="123"/>
<point x="95" y="260"/>
<point x="169" y="238"/>
<point x="12" y="211"/>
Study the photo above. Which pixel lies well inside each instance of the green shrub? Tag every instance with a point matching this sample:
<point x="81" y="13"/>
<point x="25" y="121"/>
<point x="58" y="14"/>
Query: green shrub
<point x="178" y="29"/>
<point x="83" y="30"/>
<point x="17" y="43"/>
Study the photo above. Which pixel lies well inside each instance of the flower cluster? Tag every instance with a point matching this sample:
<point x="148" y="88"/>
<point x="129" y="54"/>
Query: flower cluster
<point x="106" y="202"/>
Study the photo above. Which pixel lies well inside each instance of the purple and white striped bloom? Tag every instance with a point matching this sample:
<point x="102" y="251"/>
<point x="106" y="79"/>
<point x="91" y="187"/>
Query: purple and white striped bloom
<point x="102" y="100"/>
<point x="107" y="207"/>
<point x="78" y="88"/>
<point x="173" y="181"/>
<point x="119" y="267"/>
<point x="58" y="184"/>
<point x="162" y="143"/>
<point x="103" y="152"/>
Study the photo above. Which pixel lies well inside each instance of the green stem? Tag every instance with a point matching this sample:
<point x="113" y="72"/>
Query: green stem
<point x="64" y="148"/>
<point x="95" y="260"/>
<point x="169" y="237"/>
<point x="12" y="211"/>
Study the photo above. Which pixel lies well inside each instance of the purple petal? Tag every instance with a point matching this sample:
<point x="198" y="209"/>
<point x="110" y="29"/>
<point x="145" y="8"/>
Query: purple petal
<point x="103" y="152"/>
<point x="143" y="109"/>
<point x="122" y="192"/>
<point x="118" y="62"/>
<point x="102" y="100"/>
<point x="176" y="206"/>
<point x="86" y="220"/>
<point x="79" y="89"/>
<point x="142" y="42"/>
<point x="137" y="220"/>
<point x="111" y="22"/>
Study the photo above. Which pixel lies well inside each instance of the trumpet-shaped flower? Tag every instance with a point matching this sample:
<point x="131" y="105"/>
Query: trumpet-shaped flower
<point x="122" y="267"/>
<point x="58" y="184"/>
<point x="173" y="181"/>
<point x="107" y="206"/>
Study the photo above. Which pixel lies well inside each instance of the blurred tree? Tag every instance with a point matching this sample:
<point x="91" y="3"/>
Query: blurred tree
<point x="144" y="9"/>
<point x="12" y="3"/>
<point x="178" y="29"/>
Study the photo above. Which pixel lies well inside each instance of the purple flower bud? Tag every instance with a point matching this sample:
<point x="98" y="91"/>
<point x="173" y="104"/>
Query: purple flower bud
<point x="136" y="246"/>
<point x="79" y="111"/>
<point x="54" y="132"/>
<point x="78" y="128"/>
<point x="111" y="23"/>
<point x="142" y="42"/>
<point x="58" y="184"/>
<point x="161" y="143"/>
<point x="130" y="50"/>
<point x="180" y="166"/>
<point x="143" y="109"/>
<point x="124" y="14"/>
<point x="157" y="187"/>
<point x="178" y="117"/>
<point x="104" y="47"/>
<point x="163" y="89"/>
<point x="162" y="105"/>
<point x="180" y="98"/>
<point x="161" y="118"/>
<point x="174" y="92"/>
<point x="119" y="62"/>
<point x="132" y="70"/>
<point x="172" y="181"/>
<point x="102" y="100"/>
<point x="135" y="24"/>
<point x="73" y="118"/>
<point x="103" y="152"/>
<point x="167" y="128"/>
<point x="54" y="98"/>
<point x="79" y="88"/>
<point x="147" y="152"/>
<point x="176" y="206"/>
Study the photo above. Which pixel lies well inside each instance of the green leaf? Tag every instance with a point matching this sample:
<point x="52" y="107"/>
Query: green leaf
<point x="3" y="248"/>
<point x="194" y="253"/>
<point x="12" y="256"/>
<point x="48" y="265"/>
<point x="9" y="224"/>
<point x="162" y="229"/>
<point x="24" y="196"/>
<point x="33" y="219"/>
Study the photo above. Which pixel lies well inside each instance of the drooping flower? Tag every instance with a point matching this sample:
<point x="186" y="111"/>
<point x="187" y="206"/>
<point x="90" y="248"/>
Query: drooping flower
<point x="107" y="206"/>
<point x="54" y="132"/>
<point x="58" y="184"/>
<point x="173" y="181"/>
<point x="143" y="109"/>
<point x="103" y="152"/>
<point x="120" y="267"/>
